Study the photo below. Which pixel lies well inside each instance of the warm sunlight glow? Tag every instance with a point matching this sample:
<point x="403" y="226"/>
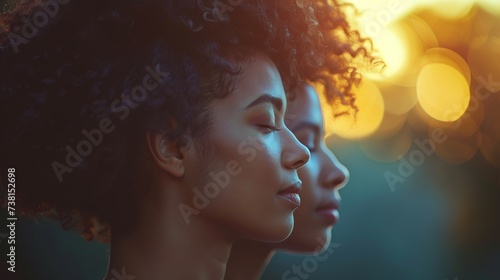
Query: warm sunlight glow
<point x="450" y="9"/>
<point x="388" y="149"/>
<point x="366" y="121"/>
<point x="458" y="151"/>
<point x="443" y="92"/>
<point x="391" y="125"/>
<point x="448" y="57"/>
<point x="484" y="61"/>
<point x="442" y="73"/>
<point x="398" y="99"/>
<point x="392" y="49"/>
<point x="492" y="6"/>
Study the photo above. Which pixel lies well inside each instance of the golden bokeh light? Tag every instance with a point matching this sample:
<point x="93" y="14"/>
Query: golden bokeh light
<point x="419" y="120"/>
<point x="467" y="125"/>
<point x="493" y="6"/>
<point x="450" y="32"/>
<point x="490" y="146"/>
<point x="442" y="72"/>
<point x="391" y="124"/>
<point x="481" y="25"/>
<point x="401" y="48"/>
<point x="459" y="150"/>
<point x="451" y="9"/>
<point x="388" y="149"/>
<point x="463" y="127"/>
<point x="392" y="48"/>
<point x="366" y="121"/>
<point x="484" y="61"/>
<point x="490" y="149"/>
<point x="398" y="99"/>
<point x="423" y="31"/>
<point x="443" y="92"/>
<point x="448" y="57"/>
<point x="382" y="12"/>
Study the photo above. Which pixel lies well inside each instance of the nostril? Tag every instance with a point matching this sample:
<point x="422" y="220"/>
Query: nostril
<point x="304" y="158"/>
<point x="335" y="179"/>
<point x="299" y="164"/>
<point x="338" y="181"/>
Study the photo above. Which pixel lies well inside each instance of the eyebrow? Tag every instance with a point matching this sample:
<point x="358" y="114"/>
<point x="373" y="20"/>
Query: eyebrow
<point x="266" y="98"/>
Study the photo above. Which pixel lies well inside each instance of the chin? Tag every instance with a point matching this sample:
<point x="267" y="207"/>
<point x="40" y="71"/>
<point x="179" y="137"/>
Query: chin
<point x="282" y="232"/>
<point x="307" y="243"/>
<point x="273" y="233"/>
<point x="323" y="240"/>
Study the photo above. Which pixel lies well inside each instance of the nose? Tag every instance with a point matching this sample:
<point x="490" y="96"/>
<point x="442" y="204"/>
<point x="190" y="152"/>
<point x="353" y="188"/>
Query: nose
<point x="333" y="174"/>
<point x="294" y="155"/>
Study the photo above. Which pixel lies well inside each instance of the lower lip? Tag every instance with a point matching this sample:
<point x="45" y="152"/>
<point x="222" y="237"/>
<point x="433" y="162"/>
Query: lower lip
<point x="331" y="216"/>
<point x="292" y="198"/>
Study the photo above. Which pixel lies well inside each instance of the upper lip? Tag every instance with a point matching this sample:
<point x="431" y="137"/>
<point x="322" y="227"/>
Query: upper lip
<point x="293" y="188"/>
<point x="329" y="205"/>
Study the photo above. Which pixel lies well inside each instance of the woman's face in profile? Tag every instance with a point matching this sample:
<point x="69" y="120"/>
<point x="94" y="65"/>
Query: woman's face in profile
<point x="249" y="177"/>
<point x="321" y="177"/>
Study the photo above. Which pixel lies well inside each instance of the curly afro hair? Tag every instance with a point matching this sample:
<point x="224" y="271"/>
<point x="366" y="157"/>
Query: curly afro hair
<point x="84" y="80"/>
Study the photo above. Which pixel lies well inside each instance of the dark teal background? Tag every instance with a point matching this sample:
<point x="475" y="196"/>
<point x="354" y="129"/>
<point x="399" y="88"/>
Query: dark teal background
<point x="381" y="235"/>
<point x="420" y="231"/>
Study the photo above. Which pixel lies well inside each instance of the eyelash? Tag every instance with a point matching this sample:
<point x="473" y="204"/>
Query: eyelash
<point x="269" y="127"/>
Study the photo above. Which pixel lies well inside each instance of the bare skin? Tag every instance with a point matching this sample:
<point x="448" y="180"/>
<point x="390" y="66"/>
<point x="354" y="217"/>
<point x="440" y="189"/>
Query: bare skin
<point x="322" y="177"/>
<point x="245" y="180"/>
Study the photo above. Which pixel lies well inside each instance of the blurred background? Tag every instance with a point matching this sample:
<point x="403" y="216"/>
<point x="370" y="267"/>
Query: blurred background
<point x="423" y="201"/>
<point x="424" y="155"/>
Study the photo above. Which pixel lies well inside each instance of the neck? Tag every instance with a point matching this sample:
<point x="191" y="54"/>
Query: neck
<point x="248" y="259"/>
<point x="163" y="246"/>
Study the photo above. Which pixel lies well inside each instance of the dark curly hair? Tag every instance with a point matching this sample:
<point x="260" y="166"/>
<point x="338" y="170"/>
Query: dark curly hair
<point x="84" y="80"/>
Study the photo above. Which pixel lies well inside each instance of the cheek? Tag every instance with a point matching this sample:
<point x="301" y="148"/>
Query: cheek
<point x="261" y="152"/>
<point x="310" y="192"/>
<point x="249" y="165"/>
<point x="309" y="173"/>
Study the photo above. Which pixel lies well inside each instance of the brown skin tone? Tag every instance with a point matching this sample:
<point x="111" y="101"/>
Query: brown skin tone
<point x="322" y="178"/>
<point x="168" y="243"/>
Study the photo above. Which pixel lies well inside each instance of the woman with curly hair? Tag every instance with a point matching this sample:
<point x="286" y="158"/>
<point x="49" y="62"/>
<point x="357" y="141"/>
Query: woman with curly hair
<point x="158" y="125"/>
<point x="322" y="177"/>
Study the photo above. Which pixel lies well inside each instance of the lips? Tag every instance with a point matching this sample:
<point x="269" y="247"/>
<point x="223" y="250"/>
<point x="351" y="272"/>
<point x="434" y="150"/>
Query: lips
<point x="328" y="206"/>
<point x="329" y="211"/>
<point x="291" y="193"/>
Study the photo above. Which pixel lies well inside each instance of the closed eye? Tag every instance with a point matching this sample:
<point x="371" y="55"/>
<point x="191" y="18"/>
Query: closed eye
<point x="268" y="128"/>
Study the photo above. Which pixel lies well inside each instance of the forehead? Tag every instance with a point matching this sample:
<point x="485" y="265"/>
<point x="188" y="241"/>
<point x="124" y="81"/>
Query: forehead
<point x="305" y="106"/>
<point x="259" y="76"/>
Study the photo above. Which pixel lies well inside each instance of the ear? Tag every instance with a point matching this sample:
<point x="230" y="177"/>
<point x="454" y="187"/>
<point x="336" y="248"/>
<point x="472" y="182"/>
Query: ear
<point x="166" y="154"/>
